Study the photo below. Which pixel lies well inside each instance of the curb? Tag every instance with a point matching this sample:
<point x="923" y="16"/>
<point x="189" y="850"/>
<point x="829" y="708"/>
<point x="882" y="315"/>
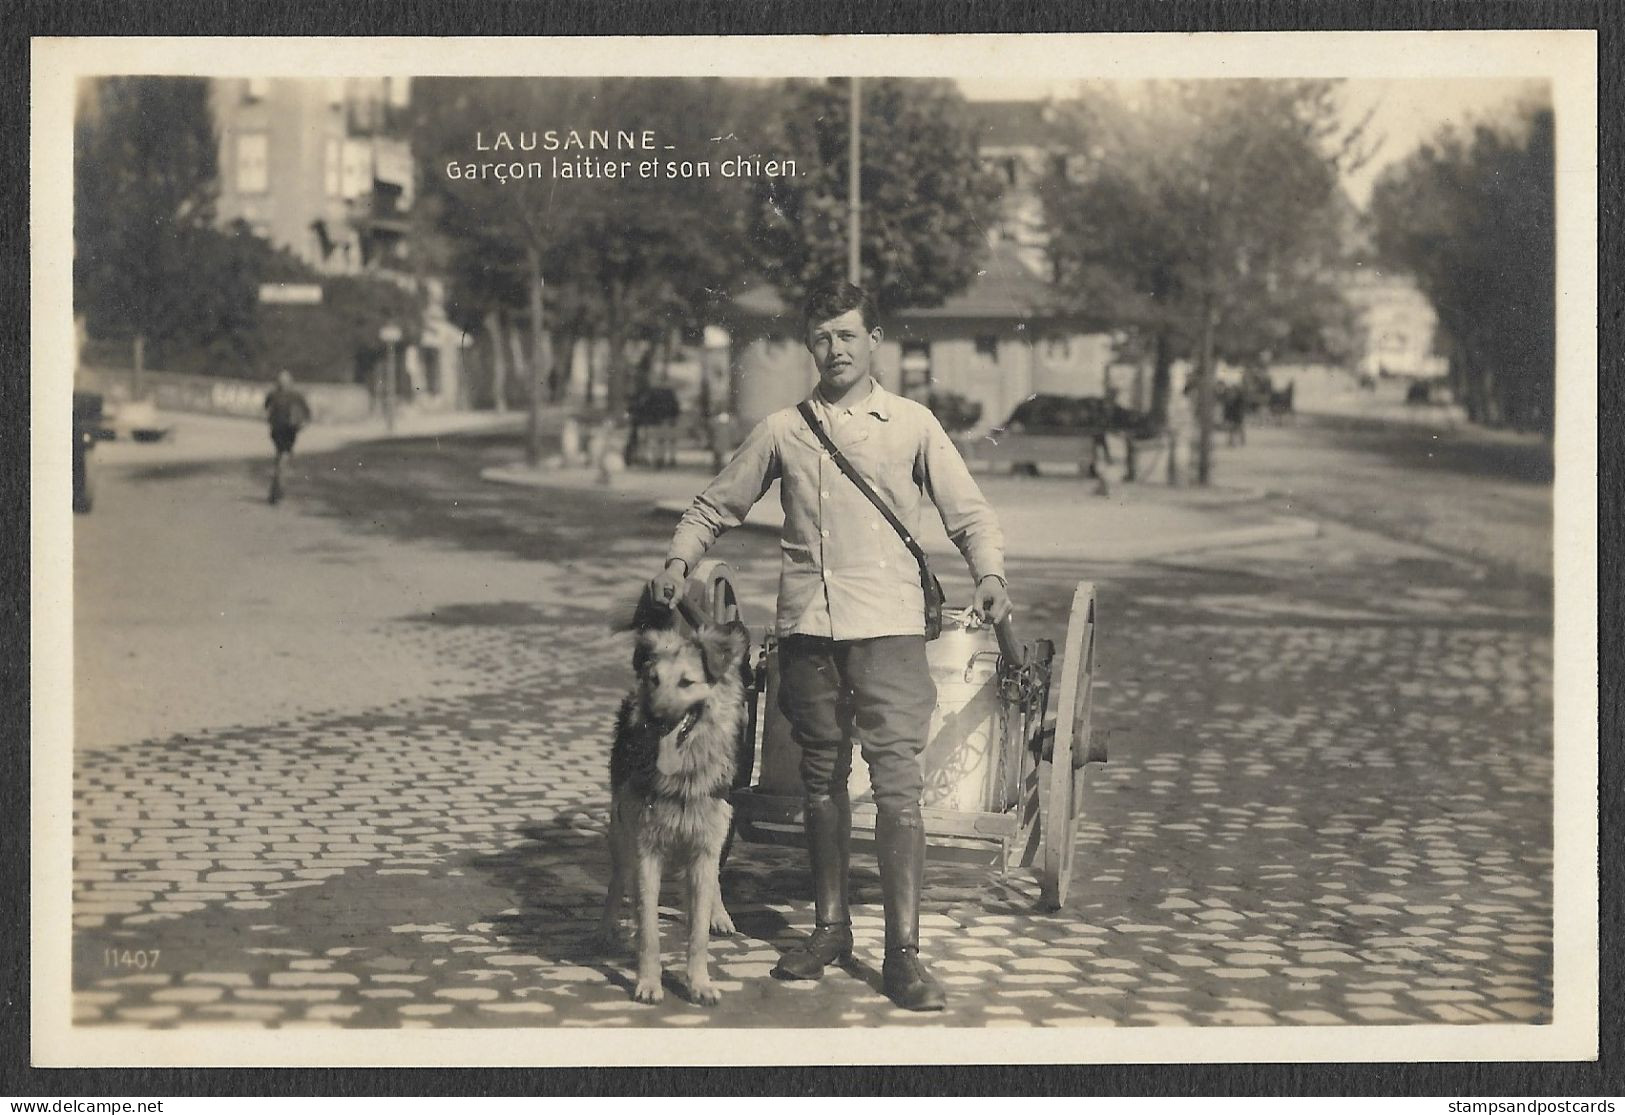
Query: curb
<point x="766" y="517"/>
<point x="1283" y="528"/>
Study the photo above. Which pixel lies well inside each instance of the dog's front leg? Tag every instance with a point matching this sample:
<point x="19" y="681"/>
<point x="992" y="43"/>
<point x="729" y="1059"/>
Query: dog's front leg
<point x="620" y="869"/>
<point x="702" y="900"/>
<point x="649" y="867"/>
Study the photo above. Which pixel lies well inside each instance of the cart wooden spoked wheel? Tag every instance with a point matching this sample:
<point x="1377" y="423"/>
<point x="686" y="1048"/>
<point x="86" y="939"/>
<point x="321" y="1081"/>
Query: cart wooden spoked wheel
<point x="1068" y="745"/>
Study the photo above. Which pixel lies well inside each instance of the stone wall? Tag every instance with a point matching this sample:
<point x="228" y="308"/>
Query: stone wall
<point x="242" y="398"/>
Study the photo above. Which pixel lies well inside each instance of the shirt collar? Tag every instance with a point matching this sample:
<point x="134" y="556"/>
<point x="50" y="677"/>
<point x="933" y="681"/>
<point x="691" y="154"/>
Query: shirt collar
<point x="877" y="402"/>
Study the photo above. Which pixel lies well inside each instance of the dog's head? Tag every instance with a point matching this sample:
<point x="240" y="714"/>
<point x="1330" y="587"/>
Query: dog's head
<point x="678" y="669"/>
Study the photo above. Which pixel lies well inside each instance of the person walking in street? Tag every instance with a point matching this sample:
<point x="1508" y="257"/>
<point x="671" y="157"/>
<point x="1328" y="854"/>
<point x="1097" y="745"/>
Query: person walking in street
<point x="287" y="412"/>
<point x="1234" y="408"/>
<point x="851" y="614"/>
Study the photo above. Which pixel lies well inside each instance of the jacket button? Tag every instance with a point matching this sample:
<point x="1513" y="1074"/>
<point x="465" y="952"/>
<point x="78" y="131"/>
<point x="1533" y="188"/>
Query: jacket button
<point x="825" y="533"/>
<point x="824" y="494"/>
<point x="874" y="526"/>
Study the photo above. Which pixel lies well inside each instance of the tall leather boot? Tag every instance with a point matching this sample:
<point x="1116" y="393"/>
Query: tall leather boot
<point x="900" y="844"/>
<point x="829" y="841"/>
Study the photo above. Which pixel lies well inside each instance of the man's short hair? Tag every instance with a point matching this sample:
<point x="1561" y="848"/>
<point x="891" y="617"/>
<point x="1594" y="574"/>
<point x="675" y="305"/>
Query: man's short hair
<point x="829" y="300"/>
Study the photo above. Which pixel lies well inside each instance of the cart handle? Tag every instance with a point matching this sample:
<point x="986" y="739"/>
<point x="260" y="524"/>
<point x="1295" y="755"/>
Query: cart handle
<point x="1013" y="651"/>
<point x="1008" y="646"/>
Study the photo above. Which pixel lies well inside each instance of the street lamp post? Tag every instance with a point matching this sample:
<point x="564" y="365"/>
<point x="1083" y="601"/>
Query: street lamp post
<point x="854" y="205"/>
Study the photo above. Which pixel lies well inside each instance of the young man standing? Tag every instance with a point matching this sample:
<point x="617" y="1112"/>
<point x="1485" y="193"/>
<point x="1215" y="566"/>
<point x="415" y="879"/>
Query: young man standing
<point x="287" y="412"/>
<point x="852" y="661"/>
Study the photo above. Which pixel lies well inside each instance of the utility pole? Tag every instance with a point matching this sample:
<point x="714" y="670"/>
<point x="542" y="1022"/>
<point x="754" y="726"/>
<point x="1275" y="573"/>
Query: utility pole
<point x="140" y="388"/>
<point x="540" y="358"/>
<point x="854" y="204"/>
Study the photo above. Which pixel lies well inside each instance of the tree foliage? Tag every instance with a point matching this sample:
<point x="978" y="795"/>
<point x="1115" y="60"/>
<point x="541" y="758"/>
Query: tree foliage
<point x="624" y="258"/>
<point x="149" y="261"/>
<point x="1472" y="216"/>
<point x="144" y="193"/>
<point x="926" y="199"/>
<point x="1205" y="210"/>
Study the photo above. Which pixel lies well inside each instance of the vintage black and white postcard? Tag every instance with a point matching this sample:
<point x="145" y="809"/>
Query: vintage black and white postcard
<point x="458" y="602"/>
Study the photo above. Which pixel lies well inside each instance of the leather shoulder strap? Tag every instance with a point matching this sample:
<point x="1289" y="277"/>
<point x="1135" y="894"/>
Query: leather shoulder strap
<point x="852" y="474"/>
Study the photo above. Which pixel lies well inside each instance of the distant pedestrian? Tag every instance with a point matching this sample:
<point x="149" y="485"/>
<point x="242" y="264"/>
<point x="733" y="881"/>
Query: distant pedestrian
<point x="1235" y="416"/>
<point x="287" y="412"/>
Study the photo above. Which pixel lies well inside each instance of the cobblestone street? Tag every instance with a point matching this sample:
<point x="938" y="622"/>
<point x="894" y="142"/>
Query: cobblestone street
<point x="1328" y="801"/>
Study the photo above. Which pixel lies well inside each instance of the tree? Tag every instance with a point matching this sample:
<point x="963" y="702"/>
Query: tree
<point x="144" y="191"/>
<point x="630" y="256"/>
<point x="1472" y="216"/>
<point x="926" y="197"/>
<point x="1204" y="219"/>
<point x="335" y="340"/>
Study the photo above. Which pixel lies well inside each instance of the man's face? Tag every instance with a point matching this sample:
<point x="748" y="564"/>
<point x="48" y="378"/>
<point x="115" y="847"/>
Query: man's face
<point x="842" y="349"/>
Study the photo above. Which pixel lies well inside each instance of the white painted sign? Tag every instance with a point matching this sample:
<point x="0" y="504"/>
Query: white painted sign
<point x="291" y="294"/>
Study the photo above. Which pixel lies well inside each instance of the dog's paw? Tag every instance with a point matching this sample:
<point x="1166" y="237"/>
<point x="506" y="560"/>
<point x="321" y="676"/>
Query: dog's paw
<point x="648" y="991"/>
<point x="706" y="994"/>
<point x="721" y="924"/>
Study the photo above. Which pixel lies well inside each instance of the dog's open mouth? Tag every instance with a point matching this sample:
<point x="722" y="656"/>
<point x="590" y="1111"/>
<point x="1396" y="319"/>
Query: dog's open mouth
<point x="685" y="726"/>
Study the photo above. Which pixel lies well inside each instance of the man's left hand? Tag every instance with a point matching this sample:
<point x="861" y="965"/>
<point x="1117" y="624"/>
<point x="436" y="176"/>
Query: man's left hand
<point x="992" y="600"/>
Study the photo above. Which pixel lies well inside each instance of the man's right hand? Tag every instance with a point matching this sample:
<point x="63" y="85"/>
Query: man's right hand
<point x="667" y="585"/>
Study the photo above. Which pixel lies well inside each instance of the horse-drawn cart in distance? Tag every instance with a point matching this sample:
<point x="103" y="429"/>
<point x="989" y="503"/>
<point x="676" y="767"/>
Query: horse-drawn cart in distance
<point x="1006" y="754"/>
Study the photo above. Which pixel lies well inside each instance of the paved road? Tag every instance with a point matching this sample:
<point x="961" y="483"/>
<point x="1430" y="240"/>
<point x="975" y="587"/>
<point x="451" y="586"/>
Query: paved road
<point x="343" y="762"/>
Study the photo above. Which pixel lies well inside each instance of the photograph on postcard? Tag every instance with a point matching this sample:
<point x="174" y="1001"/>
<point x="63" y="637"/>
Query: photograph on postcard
<point x="812" y="552"/>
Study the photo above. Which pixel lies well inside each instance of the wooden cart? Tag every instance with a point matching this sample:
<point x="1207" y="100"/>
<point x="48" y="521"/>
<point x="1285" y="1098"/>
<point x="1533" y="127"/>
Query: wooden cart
<point x="995" y="792"/>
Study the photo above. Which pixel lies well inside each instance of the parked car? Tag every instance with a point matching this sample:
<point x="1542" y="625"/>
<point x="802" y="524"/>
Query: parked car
<point x="1057" y="429"/>
<point x="88" y="429"/>
<point x="1064" y="414"/>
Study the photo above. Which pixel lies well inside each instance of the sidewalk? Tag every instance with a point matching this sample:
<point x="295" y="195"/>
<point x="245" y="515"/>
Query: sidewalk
<point x="1046" y="518"/>
<point x="205" y="437"/>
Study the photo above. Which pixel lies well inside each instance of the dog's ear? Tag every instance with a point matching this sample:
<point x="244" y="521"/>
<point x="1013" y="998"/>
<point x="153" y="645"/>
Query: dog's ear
<point x="640" y="613"/>
<point x="723" y="647"/>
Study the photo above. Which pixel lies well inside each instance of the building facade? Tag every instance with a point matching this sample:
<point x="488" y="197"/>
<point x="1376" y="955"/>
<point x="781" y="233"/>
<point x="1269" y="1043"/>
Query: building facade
<point x="321" y="168"/>
<point x="1399" y="324"/>
<point x="996" y="343"/>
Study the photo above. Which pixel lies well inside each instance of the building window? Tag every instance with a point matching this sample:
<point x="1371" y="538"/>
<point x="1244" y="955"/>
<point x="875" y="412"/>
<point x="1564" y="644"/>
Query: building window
<point x="333" y="167"/>
<point x="356" y="177"/>
<point x="987" y="347"/>
<point x="1058" y="347"/>
<point x="253" y="163"/>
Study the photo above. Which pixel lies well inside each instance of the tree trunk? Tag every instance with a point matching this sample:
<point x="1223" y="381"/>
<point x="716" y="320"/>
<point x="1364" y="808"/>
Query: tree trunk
<point x="1204" y="398"/>
<point x="521" y="362"/>
<point x="562" y="364"/>
<point x="592" y="370"/>
<point x="643" y="375"/>
<point x="1162" y="363"/>
<point x="539" y="361"/>
<point x="497" y="332"/>
<point x="615" y="387"/>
